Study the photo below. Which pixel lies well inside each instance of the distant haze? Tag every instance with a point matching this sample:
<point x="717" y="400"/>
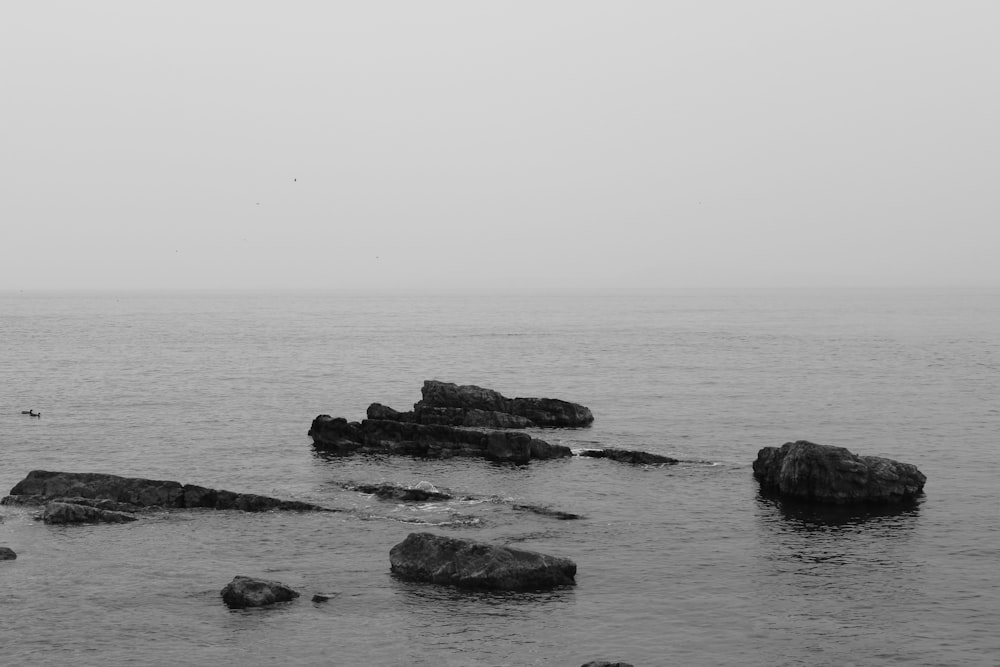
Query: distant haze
<point x="506" y="144"/>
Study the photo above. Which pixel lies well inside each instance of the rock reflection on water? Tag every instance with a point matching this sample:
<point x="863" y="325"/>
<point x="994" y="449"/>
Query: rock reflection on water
<point x="828" y="572"/>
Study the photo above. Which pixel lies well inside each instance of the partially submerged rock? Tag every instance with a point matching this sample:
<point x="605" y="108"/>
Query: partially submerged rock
<point x="605" y="663"/>
<point x="6" y="553"/>
<point x="419" y="493"/>
<point x="380" y="436"/>
<point x="459" y="562"/>
<point x="828" y="474"/>
<point x="244" y="592"/>
<point x="44" y="486"/>
<point x="62" y="513"/>
<point x="628" y="456"/>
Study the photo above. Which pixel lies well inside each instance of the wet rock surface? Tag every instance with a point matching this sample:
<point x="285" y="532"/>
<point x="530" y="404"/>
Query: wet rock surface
<point x="244" y="592"/>
<point x="628" y="456"/>
<point x="374" y="436"/>
<point x="63" y="513"/>
<point x="469" y="405"/>
<point x="6" y="553"/>
<point x="426" y="557"/>
<point x="821" y="473"/>
<point x="136" y="493"/>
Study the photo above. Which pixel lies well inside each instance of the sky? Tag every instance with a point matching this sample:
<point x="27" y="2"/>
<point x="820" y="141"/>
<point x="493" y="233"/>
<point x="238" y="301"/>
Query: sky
<point x="484" y="145"/>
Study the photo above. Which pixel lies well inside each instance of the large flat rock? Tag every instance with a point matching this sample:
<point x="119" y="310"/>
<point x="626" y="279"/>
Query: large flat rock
<point x="43" y="486"/>
<point x="383" y="436"/>
<point x="479" y="404"/>
<point x="459" y="562"/>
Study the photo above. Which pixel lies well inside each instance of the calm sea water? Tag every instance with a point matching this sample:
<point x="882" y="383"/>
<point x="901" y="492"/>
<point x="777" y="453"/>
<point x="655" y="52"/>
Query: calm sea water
<point x="677" y="565"/>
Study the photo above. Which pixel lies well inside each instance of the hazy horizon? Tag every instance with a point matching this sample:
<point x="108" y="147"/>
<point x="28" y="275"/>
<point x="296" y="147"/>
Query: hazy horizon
<point x="450" y="145"/>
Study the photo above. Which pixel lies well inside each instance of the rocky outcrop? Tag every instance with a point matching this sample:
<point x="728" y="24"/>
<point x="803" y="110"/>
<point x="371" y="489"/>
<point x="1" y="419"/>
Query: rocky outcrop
<point x="437" y="559"/>
<point x="244" y="592"/>
<point x="63" y="513"/>
<point x="135" y="493"/>
<point x="485" y="407"/>
<point x="628" y="456"/>
<point x="6" y="553"/>
<point x="826" y="474"/>
<point x="381" y="436"/>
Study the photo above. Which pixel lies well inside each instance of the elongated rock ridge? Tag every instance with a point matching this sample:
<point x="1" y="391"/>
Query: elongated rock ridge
<point x="454" y="561"/>
<point x="826" y="474"/>
<point x="628" y="456"/>
<point x="42" y="486"/>
<point x="382" y="436"/>
<point x="448" y="404"/>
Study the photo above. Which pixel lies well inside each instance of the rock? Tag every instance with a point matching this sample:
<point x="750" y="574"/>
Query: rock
<point x="92" y="488"/>
<point x="605" y="663"/>
<point x="822" y="473"/>
<point x="545" y="412"/>
<point x="6" y="553"/>
<point x="628" y="456"/>
<point x="323" y="597"/>
<point x="382" y="436"/>
<point x="394" y="492"/>
<point x="61" y="513"/>
<point x="546" y="511"/>
<point x="244" y="592"/>
<point x="459" y="562"/>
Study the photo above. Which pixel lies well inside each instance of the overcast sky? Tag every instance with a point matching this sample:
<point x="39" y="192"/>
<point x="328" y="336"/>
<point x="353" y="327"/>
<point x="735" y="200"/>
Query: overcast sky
<point x="439" y="144"/>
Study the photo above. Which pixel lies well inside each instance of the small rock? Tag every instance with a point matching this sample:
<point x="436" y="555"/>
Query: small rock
<point x="250" y="592"/>
<point x="6" y="553"/>
<point x="323" y="597"/>
<point x="605" y="663"/>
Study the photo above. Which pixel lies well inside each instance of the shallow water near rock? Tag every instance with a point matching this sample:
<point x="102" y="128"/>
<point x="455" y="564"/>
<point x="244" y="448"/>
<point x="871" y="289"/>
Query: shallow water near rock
<point x="677" y="564"/>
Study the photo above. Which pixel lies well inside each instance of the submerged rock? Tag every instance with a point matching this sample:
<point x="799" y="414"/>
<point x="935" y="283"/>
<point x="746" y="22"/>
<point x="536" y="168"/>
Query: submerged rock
<point x="605" y="663"/>
<point x="628" y="456"/>
<point x="380" y="436"/>
<point x="459" y="562"/>
<point x="6" y="553"/>
<point x="90" y="488"/>
<point x="244" y="592"/>
<point x="418" y="493"/>
<point x="828" y="474"/>
<point x="61" y="513"/>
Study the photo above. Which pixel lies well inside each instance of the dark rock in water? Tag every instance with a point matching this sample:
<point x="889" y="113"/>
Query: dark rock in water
<point x="6" y="553"/>
<point x="379" y="411"/>
<point x="244" y="592"/>
<point x="828" y="474"/>
<point x="61" y="513"/>
<point x="545" y="412"/>
<point x="420" y="493"/>
<point x="139" y="493"/>
<point x="459" y="562"/>
<point x="323" y="597"/>
<point x="375" y="436"/>
<point x="628" y="456"/>
<point x="605" y="663"/>
<point x="547" y="511"/>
